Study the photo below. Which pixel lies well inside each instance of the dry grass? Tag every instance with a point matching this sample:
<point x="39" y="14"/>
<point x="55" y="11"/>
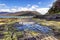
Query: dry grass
<point x="54" y="24"/>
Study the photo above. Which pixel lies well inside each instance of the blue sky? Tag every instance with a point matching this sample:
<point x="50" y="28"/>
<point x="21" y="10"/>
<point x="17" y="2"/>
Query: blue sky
<point x="18" y="5"/>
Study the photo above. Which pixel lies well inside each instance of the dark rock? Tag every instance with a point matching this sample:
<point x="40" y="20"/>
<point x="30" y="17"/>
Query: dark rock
<point x="55" y="9"/>
<point x="1" y="36"/>
<point x="30" y="38"/>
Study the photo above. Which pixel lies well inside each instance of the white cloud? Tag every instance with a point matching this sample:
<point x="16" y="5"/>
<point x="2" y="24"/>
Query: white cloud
<point x="13" y="10"/>
<point x="42" y="10"/>
<point x="32" y="8"/>
<point x="5" y="10"/>
<point x="23" y="9"/>
<point x="2" y="4"/>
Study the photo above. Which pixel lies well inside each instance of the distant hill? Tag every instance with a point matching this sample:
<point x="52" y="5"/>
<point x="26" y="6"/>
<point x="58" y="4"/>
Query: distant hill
<point x="4" y="13"/>
<point x="55" y="9"/>
<point x="21" y="13"/>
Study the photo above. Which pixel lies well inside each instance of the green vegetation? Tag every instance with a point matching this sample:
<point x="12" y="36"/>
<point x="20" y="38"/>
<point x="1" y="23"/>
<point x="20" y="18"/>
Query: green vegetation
<point x="54" y="10"/>
<point x="55" y="25"/>
<point x="10" y="32"/>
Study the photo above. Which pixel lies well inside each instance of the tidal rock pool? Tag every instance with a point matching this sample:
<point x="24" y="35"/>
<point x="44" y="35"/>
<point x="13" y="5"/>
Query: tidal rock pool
<point x="34" y="27"/>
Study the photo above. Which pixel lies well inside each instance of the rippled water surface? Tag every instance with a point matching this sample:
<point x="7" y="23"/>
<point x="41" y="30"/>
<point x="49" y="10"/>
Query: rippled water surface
<point x="34" y="27"/>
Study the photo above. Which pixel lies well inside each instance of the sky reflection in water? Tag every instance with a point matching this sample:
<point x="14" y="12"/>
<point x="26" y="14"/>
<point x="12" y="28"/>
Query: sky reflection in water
<point x="34" y="27"/>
